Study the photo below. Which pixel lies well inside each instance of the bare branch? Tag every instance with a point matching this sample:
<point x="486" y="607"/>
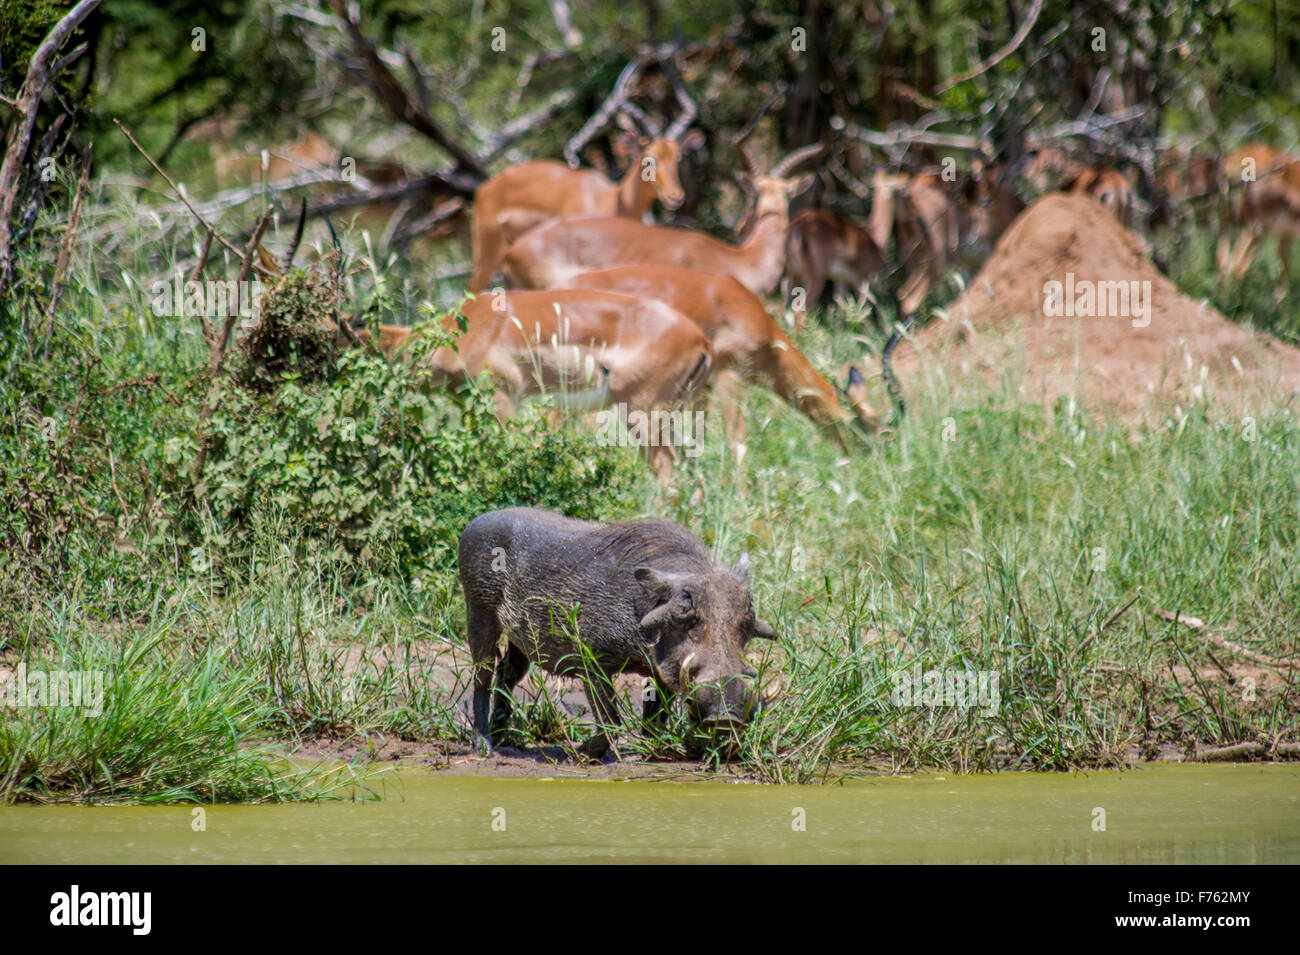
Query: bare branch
<point x="1011" y="46"/>
<point x="180" y="193"/>
<point x="39" y="74"/>
<point x="396" y="100"/>
<point x="616" y="100"/>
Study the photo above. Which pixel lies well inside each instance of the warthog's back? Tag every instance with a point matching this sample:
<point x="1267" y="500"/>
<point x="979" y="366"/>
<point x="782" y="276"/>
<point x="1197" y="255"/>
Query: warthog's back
<point x="531" y="568"/>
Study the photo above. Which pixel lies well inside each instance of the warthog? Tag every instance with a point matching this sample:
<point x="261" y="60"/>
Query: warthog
<point x="591" y="600"/>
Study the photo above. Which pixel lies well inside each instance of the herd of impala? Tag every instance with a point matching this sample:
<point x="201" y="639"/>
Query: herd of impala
<point x="606" y="308"/>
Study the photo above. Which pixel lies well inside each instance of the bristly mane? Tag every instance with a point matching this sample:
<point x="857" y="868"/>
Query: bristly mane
<point x="649" y="542"/>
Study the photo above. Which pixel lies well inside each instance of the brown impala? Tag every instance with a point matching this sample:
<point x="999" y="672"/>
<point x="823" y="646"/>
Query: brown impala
<point x="592" y="349"/>
<point x="939" y="227"/>
<point x="1264" y="188"/>
<point x="824" y="249"/>
<point x="551" y="255"/>
<point x="747" y="343"/>
<point x="525" y="196"/>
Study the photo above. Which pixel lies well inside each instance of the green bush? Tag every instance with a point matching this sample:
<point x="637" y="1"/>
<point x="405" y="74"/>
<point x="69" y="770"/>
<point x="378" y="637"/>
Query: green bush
<point x="370" y="461"/>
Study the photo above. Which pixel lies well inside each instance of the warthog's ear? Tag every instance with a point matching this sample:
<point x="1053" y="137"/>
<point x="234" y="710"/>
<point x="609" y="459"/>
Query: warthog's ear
<point x="763" y="630"/>
<point x="741" y="569"/>
<point x="657" y="585"/>
<point x="661" y="588"/>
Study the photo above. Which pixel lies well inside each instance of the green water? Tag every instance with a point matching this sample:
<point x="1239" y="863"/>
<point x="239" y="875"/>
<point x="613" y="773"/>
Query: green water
<point x="1184" y="814"/>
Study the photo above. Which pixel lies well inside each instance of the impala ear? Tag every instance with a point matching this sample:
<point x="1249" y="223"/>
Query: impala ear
<point x="856" y="387"/>
<point x="802" y="183"/>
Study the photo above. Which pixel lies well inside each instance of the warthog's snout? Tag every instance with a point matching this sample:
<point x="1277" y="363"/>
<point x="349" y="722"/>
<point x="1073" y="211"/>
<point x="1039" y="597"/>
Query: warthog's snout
<point x="728" y="704"/>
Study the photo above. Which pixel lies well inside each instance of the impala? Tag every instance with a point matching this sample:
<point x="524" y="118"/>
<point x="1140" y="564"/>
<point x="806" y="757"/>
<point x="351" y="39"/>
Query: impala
<point x="593" y="349"/>
<point x="552" y="254"/>
<point x="937" y="228"/>
<point x="525" y="196"/>
<point x="1264" y="187"/>
<point x="747" y="343"/>
<point x="824" y="249"/>
<point x="1052" y="170"/>
<point x="1108" y="186"/>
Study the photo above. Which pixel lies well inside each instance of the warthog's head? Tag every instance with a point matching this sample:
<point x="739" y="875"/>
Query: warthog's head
<point x="701" y="623"/>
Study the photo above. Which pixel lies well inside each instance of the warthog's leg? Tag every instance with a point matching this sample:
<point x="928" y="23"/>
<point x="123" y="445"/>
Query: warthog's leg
<point x="654" y="705"/>
<point x="511" y="669"/>
<point x="484" y="634"/>
<point x="600" y="693"/>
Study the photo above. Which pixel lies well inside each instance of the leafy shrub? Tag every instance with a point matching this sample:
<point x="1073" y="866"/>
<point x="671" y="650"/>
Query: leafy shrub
<point x="380" y="467"/>
<point x="290" y="339"/>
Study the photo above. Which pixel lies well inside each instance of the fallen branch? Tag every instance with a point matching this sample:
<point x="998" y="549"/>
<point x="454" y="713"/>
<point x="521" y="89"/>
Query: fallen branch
<point x="1119" y="613"/>
<point x="39" y="73"/>
<point x="1195" y="623"/>
<point x="1225" y="754"/>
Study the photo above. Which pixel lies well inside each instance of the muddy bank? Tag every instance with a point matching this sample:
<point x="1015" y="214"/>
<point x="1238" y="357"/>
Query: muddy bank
<point x="445" y="757"/>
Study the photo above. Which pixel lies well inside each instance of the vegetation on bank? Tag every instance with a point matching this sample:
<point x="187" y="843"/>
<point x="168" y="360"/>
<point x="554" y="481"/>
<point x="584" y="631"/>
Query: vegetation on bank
<point x="265" y="556"/>
<point x="309" y="586"/>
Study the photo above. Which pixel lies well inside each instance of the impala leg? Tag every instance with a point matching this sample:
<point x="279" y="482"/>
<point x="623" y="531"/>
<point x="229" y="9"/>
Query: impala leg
<point x="726" y="383"/>
<point x="1243" y="252"/>
<point x="912" y="294"/>
<point x="663" y="460"/>
<point x="489" y="244"/>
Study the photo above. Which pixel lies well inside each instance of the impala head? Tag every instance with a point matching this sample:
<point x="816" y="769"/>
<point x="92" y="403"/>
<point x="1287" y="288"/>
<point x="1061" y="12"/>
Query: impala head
<point x="777" y="187"/>
<point x="775" y="193"/>
<point x="664" y="155"/>
<point x="701" y="623"/>
<point x="855" y="393"/>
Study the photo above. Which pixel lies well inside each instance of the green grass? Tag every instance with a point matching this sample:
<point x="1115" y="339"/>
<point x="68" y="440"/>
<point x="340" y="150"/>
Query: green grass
<point x="984" y="535"/>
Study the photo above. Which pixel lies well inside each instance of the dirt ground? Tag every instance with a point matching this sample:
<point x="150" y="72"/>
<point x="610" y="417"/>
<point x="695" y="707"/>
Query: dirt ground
<point x="1185" y="354"/>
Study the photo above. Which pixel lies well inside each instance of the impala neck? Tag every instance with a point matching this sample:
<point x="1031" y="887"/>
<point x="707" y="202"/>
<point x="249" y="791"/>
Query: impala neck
<point x="880" y="222"/>
<point x="765" y="249"/>
<point x="634" y="194"/>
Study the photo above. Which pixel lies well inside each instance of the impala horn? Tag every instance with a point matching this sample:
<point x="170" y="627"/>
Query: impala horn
<point x="797" y="158"/>
<point x="615" y="102"/>
<point x="739" y="142"/>
<point x="677" y="128"/>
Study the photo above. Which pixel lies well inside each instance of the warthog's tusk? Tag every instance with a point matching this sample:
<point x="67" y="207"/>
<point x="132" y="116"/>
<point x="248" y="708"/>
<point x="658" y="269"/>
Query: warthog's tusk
<point x="682" y="679"/>
<point x="773" y="691"/>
